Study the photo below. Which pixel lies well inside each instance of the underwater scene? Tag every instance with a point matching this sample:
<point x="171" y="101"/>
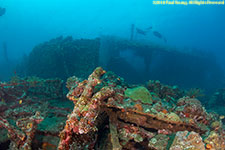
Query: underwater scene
<point x="112" y="75"/>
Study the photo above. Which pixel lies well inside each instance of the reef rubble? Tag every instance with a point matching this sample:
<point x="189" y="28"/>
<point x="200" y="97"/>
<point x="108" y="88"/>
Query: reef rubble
<point x="107" y="113"/>
<point x="133" y="122"/>
<point x="22" y="139"/>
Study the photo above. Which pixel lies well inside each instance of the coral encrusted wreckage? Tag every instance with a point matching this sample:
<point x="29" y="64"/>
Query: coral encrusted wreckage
<point x="80" y="127"/>
<point x="109" y="114"/>
<point x="22" y="139"/>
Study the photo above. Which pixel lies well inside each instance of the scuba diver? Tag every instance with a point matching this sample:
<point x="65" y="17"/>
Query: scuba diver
<point x="2" y="11"/>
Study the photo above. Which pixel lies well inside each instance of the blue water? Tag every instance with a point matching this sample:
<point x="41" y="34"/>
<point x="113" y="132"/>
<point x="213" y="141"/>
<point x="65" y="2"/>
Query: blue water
<point x="27" y="23"/>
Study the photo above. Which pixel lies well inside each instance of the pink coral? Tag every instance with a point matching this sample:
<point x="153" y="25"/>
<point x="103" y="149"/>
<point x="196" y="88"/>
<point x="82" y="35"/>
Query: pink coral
<point x="82" y="121"/>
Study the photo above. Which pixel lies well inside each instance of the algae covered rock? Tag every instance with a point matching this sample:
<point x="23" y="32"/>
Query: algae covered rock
<point x="215" y="141"/>
<point x="171" y="117"/>
<point x="139" y="93"/>
<point x="158" y="142"/>
<point x="185" y="140"/>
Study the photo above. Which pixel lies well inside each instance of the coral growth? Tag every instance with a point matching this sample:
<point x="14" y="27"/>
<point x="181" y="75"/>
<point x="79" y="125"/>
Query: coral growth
<point x="191" y="108"/>
<point x="107" y="114"/>
<point x="21" y="98"/>
<point x="215" y="141"/>
<point x="187" y="140"/>
<point x="170" y="93"/>
<point x="194" y="93"/>
<point x="86" y="109"/>
<point x="133" y="123"/>
<point x="139" y="93"/>
<point x="22" y="139"/>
